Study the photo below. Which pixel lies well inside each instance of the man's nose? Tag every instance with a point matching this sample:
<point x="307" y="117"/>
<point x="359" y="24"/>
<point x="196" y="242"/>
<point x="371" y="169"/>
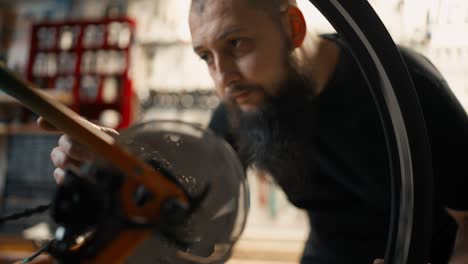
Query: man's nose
<point x="227" y="73"/>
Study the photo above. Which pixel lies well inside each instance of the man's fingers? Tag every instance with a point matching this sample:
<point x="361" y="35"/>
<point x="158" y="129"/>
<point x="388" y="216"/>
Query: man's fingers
<point x="42" y="123"/>
<point x="70" y="152"/>
<point x="62" y="160"/>
<point x="59" y="175"/>
<point x="74" y="149"/>
<point x="109" y="131"/>
<point x="58" y="157"/>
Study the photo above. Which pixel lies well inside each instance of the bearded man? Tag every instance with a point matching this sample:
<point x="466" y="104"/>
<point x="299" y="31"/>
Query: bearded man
<point x="296" y="106"/>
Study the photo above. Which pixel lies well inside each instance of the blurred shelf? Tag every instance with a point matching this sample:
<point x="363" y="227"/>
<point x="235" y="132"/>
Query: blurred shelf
<point x="162" y="43"/>
<point x="84" y="48"/>
<point x="16" y="248"/>
<point x="62" y="97"/>
<point x="15" y="243"/>
<point x="30" y="128"/>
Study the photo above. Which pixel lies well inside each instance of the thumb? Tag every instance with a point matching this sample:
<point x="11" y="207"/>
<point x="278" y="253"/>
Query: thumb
<point x="378" y="261"/>
<point x="42" y="123"/>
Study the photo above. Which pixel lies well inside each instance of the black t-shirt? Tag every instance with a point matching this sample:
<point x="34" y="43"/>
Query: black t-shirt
<point x="348" y="197"/>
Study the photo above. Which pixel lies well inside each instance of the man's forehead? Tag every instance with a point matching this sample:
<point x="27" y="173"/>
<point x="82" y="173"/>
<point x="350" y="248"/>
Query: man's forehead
<point x="212" y="9"/>
<point x="217" y="15"/>
<point x="204" y="7"/>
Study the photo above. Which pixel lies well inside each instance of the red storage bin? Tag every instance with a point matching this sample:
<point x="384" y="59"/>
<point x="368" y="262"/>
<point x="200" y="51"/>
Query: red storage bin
<point x="90" y="60"/>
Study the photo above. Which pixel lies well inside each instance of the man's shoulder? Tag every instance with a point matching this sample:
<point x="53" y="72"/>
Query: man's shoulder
<point x="420" y="65"/>
<point x="416" y="62"/>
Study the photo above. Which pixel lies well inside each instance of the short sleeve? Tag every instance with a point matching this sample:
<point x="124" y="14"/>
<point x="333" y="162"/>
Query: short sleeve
<point x="447" y="125"/>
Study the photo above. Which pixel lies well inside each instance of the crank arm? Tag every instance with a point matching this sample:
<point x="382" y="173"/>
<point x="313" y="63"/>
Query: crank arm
<point x="137" y="173"/>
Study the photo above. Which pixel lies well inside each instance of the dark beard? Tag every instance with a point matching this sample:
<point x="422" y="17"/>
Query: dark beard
<point x="279" y="137"/>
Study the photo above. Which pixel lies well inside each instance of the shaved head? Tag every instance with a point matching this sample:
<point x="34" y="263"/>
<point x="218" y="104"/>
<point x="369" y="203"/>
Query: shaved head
<point x="272" y="6"/>
<point x="247" y="45"/>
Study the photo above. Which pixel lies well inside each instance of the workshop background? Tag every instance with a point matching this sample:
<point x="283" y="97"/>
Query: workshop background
<point x="144" y="68"/>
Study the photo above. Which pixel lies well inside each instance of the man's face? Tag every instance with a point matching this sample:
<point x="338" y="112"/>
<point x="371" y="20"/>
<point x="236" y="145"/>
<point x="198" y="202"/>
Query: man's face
<point x="245" y="50"/>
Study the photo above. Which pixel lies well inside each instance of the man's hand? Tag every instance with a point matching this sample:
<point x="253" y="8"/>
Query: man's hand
<point x="69" y="151"/>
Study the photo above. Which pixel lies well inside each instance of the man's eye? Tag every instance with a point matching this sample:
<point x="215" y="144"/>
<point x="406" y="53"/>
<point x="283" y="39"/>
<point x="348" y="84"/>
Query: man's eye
<point x="205" y="57"/>
<point x="236" y="43"/>
<point x="241" y="46"/>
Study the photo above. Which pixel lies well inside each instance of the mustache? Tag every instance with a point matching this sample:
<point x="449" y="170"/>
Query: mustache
<point x="235" y="89"/>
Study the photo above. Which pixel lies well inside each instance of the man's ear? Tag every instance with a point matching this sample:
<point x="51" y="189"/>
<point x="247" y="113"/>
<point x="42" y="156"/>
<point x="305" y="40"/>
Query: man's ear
<point x="297" y="25"/>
